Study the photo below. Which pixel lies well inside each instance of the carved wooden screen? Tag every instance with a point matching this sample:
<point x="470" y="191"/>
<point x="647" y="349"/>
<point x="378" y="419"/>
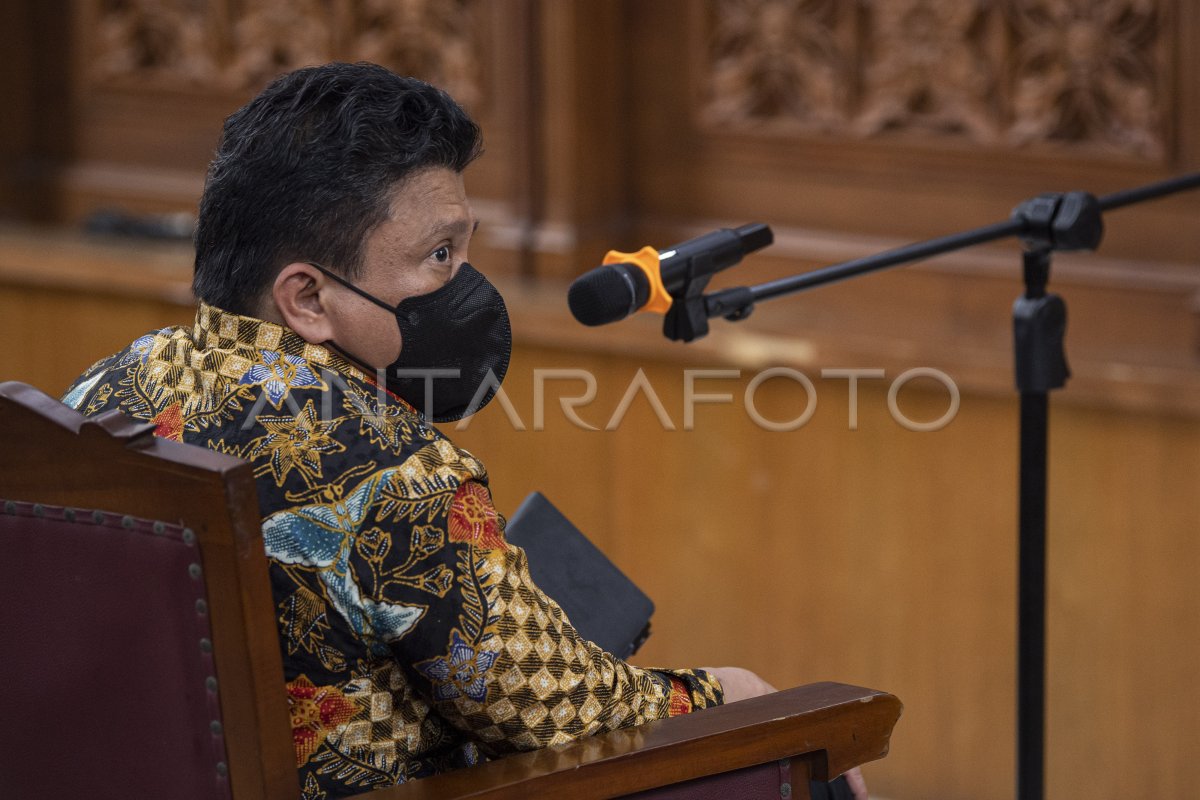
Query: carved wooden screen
<point x="1093" y="76"/>
<point x="939" y="98"/>
<point x="124" y="99"/>
<point x="227" y="44"/>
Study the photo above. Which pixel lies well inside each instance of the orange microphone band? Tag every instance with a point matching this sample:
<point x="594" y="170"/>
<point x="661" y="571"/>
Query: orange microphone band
<point x="646" y="260"/>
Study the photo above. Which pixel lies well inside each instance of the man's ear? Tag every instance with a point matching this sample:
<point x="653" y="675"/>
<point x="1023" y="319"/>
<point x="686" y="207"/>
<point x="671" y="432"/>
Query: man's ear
<point x="301" y="296"/>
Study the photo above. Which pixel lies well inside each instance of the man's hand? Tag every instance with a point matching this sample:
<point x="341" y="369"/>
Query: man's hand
<point x="742" y="684"/>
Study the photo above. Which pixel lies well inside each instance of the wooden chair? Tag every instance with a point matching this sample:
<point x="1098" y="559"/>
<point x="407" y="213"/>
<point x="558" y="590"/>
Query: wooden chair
<point x="141" y="656"/>
<point x="141" y="653"/>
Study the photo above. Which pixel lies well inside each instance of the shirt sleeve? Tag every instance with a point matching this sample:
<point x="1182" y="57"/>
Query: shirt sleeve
<point x="510" y="670"/>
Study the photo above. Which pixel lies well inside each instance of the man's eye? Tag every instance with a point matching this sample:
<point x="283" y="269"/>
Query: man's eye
<point x="441" y="255"/>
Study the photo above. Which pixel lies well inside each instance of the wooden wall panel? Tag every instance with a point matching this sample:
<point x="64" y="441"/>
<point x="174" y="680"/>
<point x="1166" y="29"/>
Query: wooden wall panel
<point x="579" y="110"/>
<point x="14" y="93"/>
<point x="66" y="302"/>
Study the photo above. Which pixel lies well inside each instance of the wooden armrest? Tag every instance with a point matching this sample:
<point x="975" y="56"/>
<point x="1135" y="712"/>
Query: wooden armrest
<point x="842" y="726"/>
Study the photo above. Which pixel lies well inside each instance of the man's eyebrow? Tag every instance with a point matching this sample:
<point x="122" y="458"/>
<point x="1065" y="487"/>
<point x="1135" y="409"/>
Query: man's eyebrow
<point x="451" y="227"/>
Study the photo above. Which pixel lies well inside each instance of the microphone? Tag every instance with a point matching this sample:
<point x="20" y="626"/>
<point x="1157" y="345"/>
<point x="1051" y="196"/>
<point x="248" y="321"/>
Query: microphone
<point x="650" y="279"/>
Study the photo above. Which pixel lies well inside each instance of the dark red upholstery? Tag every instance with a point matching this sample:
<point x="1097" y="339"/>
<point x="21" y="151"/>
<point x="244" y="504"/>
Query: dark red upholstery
<point x="107" y="675"/>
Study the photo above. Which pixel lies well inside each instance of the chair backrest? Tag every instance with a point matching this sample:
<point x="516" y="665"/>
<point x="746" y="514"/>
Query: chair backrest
<point x="140" y="654"/>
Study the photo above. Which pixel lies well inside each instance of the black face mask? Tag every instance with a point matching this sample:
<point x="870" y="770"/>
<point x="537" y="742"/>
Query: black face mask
<point x="455" y="345"/>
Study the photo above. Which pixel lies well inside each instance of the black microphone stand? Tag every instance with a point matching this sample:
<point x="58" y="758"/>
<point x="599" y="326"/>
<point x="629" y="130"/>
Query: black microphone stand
<point x="1049" y="222"/>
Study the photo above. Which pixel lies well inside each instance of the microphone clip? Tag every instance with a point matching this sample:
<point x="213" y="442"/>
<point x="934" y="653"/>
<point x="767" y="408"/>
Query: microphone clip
<point x="687" y="318"/>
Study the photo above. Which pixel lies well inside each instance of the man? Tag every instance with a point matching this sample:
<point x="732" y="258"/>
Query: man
<point x="331" y="270"/>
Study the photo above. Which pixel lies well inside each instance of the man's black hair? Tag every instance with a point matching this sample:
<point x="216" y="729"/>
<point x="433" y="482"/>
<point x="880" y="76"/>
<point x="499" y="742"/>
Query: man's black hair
<point x="305" y="171"/>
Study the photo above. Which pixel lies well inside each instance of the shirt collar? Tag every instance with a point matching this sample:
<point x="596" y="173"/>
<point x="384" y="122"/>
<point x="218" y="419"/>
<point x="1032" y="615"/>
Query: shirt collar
<point x="217" y="329"/>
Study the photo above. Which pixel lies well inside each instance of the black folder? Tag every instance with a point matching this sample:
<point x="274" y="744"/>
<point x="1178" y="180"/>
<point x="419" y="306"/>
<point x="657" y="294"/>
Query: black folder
<point x="602" y="603"/>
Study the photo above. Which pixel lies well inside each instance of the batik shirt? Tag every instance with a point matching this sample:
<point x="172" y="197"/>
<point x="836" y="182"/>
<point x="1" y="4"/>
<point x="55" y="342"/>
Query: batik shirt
<point x="414" y="640"/>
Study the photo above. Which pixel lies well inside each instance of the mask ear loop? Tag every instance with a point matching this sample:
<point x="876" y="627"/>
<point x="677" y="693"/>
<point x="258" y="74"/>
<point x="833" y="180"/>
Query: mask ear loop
<point x="362" y="293"/>
<point x="363" y="365"/>
<point x="380" y="374"/>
